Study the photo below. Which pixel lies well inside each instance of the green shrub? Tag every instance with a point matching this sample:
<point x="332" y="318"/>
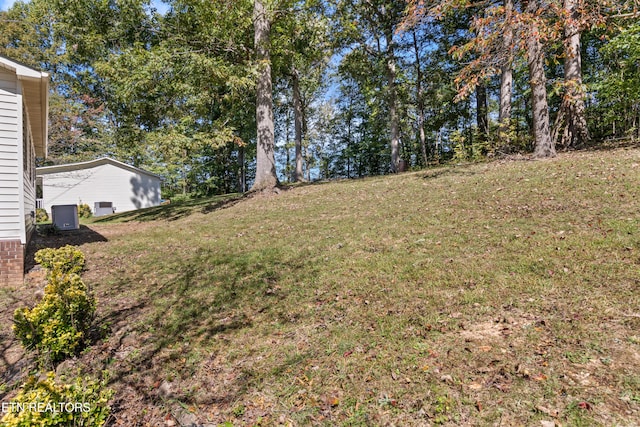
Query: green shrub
<point x="67" y="259"/>
<point x="84" y="211"/>
<point x="41" y="215"/>
<point x="58" y="325"/>
<point x="46" y="402"/>
<point x="48" y="230"/>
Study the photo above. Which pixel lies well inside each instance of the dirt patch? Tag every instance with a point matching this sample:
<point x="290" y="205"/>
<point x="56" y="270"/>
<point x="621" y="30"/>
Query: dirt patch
<point x="485" y="332"/>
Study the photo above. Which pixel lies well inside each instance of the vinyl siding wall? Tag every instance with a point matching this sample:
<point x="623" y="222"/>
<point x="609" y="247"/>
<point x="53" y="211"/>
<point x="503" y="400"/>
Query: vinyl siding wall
<point x="104" y="183"/>
<point x="11" y="223"/>
<point x="29" y="179"/>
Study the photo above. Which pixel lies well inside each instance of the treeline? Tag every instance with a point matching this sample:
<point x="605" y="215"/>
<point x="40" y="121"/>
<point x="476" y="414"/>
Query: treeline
<point x="222" y="95"/>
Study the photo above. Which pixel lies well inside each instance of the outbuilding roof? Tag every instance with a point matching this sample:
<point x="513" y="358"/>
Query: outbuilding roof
<point x="45" y="170"/>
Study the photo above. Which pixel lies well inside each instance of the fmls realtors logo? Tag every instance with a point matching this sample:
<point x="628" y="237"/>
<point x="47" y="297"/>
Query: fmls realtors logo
<point x="67" y="407"/>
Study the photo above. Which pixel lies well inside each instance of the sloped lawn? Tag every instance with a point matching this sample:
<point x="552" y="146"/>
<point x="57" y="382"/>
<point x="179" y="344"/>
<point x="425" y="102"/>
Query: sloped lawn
<point x="504" y="293"/>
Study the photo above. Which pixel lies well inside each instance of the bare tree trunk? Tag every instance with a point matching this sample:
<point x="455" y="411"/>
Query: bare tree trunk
<point x="506" y="76"/>
<point x="543" y="144"/>
<point x="297" y="114"/>
<point x="265" y="158"/>
<point x="393" y="107"/>
<point x="482" y="112"/>
<point x="184" y="173"/>
<point x="288" y="161"/>
<point x="349" y="137"/>
<point x="504" y="115"/>
<point x="423" y="142"/>
<point x="576" y="132"/>
<point x="241" y="170"/>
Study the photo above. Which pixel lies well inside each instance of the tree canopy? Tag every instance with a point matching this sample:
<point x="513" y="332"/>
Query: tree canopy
<point x="353" y="87"/>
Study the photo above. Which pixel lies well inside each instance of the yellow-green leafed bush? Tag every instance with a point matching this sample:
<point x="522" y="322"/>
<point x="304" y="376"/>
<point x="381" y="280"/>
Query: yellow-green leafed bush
<point x="41" y="215"/>
<point x="67" y="259"/>
<point x="57" y="326"/>
<point x="47" y="402"/>
<point x="84" y="211"/>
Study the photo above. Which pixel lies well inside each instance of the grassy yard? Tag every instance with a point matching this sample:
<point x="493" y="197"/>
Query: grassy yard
<point x="505" y="293"/>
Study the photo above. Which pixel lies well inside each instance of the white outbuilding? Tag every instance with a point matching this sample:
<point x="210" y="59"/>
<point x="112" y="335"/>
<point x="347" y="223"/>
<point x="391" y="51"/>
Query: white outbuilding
<point x="105" y="184"/>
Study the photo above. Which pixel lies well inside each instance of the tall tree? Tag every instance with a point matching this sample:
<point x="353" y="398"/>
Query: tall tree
<point x="372" y="25"/>
<point x="492" y="52"/>
<point x="543" y="144"/>
<point x="576" y="16"/>
<point x="303" y="50"/>
<point x="176" y="102"/>
<point x="30" y="33"/>
<point x="298" y="174"/>
<point x="266" y="177"/>
<point x="617" y="88"/>
<point x="506" y="74"/>
<point x="419" y="98"/>
<point x="575" y="132"/>
<point x="482" y="112"/>
<point x="392" y="97"/>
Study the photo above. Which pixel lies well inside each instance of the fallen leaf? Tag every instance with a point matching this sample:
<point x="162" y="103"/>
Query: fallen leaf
<point x="585" y="405"/>
<point x="540" y="377"/>
<point x="547" y="411"/>
<point x="332" y="401"/>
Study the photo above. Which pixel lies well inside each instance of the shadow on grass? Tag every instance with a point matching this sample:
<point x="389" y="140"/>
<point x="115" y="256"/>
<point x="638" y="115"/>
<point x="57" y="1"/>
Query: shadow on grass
<point x="42" y="240"/>
<point x="14" y="361"/>
<point x="448" y="171"/>
<point x="610" y="144"/>
<point x="173" y="211"/>
<point x="210" y="295"/>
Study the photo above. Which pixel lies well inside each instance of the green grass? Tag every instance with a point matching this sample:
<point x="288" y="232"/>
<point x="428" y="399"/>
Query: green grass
<point x="171" y="211"/>
<point x="474" y="295"/>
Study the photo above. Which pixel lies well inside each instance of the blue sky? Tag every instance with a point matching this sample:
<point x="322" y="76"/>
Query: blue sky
<point x="6" y="4"/>
<point x="162" y="7"/>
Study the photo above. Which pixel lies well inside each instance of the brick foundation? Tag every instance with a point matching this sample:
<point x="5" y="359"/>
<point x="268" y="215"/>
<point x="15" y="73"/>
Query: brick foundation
<point x="11" y="262"/>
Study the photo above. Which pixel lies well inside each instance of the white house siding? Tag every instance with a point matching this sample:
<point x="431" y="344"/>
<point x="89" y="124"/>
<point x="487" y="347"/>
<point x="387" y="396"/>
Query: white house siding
<point x="29" y="177"/>
<point x="127" y="190"/>
<point x="10" y="158"/>
<point x="29" y="206"/>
